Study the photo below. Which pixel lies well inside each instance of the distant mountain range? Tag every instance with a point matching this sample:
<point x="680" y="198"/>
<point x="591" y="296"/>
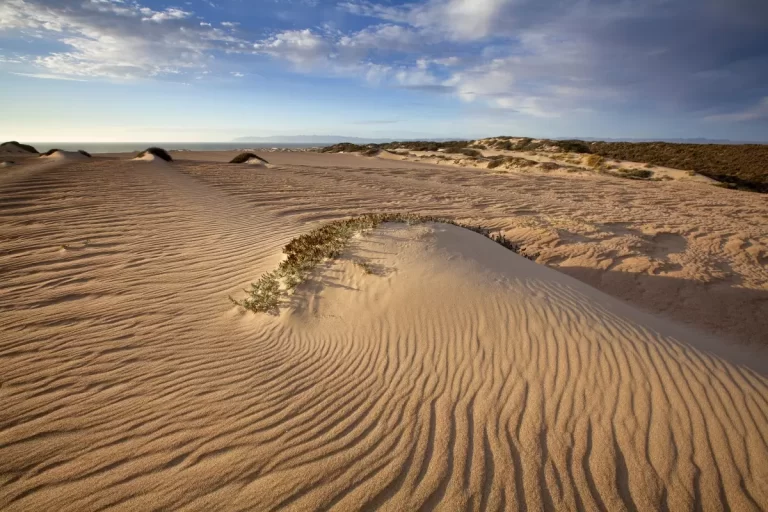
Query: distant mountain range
<point x="336" y="139"/>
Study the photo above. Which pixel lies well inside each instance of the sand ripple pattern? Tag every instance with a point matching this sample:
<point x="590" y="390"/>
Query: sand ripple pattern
<point x="129" y="383"/>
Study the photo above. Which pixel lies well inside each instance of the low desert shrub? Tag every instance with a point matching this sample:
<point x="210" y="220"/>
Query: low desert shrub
<point x="371" y="152"/>
<point x="594" y="161"/>
<point x="158" y="152"/>
<point x="523" y="144"/>
<point x="550" y="166"/>
<point x="743" y="165"/>
<point x="50" y="152"/>
<point x="305" y="252"/>
<point x="471" y="152"/>
<point x="632" y="174"/>
<point x="572" y="146"/>
<point x="637" y="174"/>
<point x="244" y="157"/>
<point x="84" y="153"/>
<point x="495" y="162"/>
<point x="344" y="147"/>
<point x="19" y="145"/>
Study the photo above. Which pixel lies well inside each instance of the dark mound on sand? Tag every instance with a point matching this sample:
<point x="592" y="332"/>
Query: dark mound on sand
<point x="245" y="157"/>
<point x="158" y="152"/>
<point x="18" y="145"/>
<point x="84" y="152"/>
<point x="50" y="152"/>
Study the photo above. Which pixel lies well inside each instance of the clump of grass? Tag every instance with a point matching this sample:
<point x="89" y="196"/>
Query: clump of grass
<point x="158" y="152"/>
<point x="371" y="152"/>
<point x="632" y="174"/>
<point x="364" y="266"/>
<point x="244" y="157"/>
<point x="50" y="152"/>
<point x="594" y="161"/>
<point x="84" y="152"/>
<point x="306" y="252"/>
<point x="572" y="146"/>
<point x="470" y="152"/>
<point x="550" y="166"/>
<point x="495" y="162"/>
<point x="636" y="174"/>
<point x="264" y="295"/>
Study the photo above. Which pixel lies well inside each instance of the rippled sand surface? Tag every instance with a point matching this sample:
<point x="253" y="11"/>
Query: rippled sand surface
<point x="456" y="376"/>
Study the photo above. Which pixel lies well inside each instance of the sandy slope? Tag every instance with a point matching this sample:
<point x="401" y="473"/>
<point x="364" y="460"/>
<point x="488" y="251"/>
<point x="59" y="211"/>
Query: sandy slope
<point x="458" y="375"/>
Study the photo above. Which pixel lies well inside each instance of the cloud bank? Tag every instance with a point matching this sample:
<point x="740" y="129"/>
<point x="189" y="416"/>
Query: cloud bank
<point x="539" y="58"/>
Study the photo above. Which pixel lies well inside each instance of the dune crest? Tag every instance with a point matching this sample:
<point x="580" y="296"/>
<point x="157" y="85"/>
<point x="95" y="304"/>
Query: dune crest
<point x="452" y="371"/>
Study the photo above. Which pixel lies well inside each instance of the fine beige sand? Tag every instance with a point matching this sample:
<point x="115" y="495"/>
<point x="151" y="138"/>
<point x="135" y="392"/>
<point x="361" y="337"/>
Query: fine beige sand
<point x="456" y="375"/>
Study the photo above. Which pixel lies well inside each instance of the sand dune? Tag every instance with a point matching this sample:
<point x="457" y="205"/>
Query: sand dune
<point x="456" y="375"/>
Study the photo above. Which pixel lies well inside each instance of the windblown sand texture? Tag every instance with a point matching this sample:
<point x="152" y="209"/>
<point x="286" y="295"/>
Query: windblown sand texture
<point x="455" y="375"/>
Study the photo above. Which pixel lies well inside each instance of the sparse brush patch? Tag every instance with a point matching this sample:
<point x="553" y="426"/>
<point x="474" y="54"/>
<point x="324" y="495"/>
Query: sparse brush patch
<point x="594" y="161"/>
<point x="84" y="153"/>
<point x="550" y="166"/>
<point x="158" y="152"/>
<point x="495" y="162"/>
<point x="25" y="147"/>
<point x="364" y="266"/>
<point x="744" y="165"/>
<point x="244" y="157"/>
<point x="571" y="146"/>
<point x="480" y="146"/>
<point x="371" y="152"/>
<point x="632" y="174"/>
<point x="305" y="252"/>
<point x="691" y="173"/>
<point x="523" y="144"/>
<point x="470" y="152"/>
<point x="50" y="152"/>
<point x="637" y="174"/>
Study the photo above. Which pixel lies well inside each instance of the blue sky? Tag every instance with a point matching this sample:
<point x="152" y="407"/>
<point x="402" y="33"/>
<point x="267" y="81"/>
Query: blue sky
<point x="213" y="70"/>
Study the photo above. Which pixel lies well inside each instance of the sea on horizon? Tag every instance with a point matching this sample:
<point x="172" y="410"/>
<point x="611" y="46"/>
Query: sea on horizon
<point x="130" y="147"/>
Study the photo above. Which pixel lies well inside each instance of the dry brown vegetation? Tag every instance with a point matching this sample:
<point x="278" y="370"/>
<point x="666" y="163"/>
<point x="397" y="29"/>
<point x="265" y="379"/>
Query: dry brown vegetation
<point x="244" y="157"/>
<point x="743" y="165"/>
<point x="158" y="152"/>
<point x="305" y="252"/>
<point x="19" y="145"/>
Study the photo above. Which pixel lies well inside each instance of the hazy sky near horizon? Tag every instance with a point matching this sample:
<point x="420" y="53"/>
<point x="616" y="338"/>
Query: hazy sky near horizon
<point x="213" y="70"/>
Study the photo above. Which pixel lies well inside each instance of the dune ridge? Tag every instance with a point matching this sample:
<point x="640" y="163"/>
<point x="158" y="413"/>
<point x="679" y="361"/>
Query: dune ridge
<point x="457" y="375"/>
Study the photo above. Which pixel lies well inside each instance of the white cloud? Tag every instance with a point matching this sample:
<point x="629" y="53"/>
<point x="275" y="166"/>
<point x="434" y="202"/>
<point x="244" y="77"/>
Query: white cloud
<point x="47" y="76"/>
<point x="117" y="39"/>
<point x="455" y="19"/>
<point x="303" y="48"/>
<point x="168" y="14"/>
<point x="383" y="37"/>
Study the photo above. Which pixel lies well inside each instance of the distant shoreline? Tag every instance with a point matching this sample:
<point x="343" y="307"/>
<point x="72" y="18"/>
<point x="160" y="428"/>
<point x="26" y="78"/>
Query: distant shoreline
<point x="131" y="147"/>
